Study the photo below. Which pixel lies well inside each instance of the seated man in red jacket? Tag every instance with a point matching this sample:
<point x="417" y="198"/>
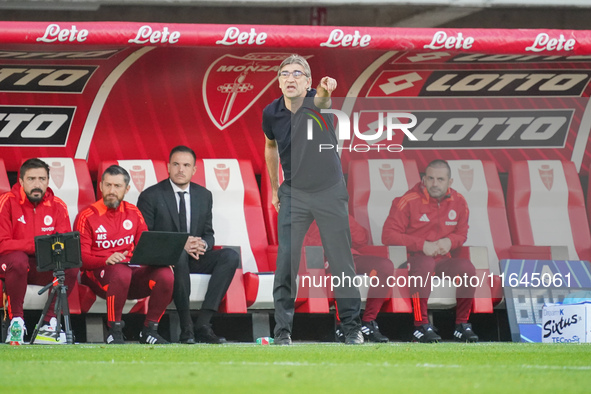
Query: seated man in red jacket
<point x="431" y="219"/>
<point x="109" y="231"/>
<point x="364" y="264"/>
<point x="28" y="210"/>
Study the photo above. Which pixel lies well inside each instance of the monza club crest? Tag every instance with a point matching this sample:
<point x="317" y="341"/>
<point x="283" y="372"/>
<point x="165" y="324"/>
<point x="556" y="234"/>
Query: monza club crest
<point x="387" y="175"/>
<point x="222" y="174"/>
<point x="547" y="176"/>
<point x="466" y="176"/>
<point x="138" y="176"/>
<point x="58" y="173"/>
<point x="232" y="84"/>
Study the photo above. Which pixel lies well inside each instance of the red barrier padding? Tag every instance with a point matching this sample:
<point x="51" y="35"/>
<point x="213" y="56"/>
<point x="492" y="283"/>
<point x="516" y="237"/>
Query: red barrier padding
<point x="524" y="41"/>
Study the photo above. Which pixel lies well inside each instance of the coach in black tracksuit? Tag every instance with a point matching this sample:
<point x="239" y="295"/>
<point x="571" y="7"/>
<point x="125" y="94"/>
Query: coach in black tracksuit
<point x="162" y="208"/>
<point x="313" y="188"/>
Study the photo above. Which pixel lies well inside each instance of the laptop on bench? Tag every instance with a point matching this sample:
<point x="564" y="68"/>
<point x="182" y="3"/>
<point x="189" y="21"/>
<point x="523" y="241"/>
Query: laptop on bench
<point x="159" y="248"/>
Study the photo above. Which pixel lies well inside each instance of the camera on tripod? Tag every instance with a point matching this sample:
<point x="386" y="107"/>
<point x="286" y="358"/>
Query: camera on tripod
<point x="57" y="252"/>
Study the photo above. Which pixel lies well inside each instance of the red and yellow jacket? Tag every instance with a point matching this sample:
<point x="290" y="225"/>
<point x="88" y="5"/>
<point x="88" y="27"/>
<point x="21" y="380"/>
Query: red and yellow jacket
<point x="21" y="221"/>
<point x="417" y="217"/>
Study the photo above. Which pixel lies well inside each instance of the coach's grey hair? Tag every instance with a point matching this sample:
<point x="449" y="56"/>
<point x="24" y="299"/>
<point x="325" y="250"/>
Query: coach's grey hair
<point x="297" y="59"/>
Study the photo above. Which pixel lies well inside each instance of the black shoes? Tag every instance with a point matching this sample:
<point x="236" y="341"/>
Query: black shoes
<point x="354" y="337"/>
<point x="425" y="334"/>
<point x="205" y="334"/>
<point x="371" y="332"/>
<point x="464" y="333"/>
<point x="188" y="341"/>
<point x="115" y="336"/>
<point x="187" y="337"/>
<point x="149" y="335"/>
<point x="339" y="334"/>
<point x="283" y="338"/>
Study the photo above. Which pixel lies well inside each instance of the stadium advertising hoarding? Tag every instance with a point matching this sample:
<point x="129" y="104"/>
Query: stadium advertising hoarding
<point x="101" y="91"/>
<point x="535" y="291"/>
<point x="566" y="323"/>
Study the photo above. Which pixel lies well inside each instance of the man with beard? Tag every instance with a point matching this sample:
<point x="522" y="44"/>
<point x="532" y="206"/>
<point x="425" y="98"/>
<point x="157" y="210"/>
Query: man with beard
<point x="30" y="209"/>
<point x="109" y="231"/>
<point x="431" y="220"/>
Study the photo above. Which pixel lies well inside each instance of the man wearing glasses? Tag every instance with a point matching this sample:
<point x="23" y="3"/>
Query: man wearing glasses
<point x="313" y="189"/>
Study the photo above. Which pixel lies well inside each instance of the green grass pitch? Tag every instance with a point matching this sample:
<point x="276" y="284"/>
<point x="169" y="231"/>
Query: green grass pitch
<point x="303" y="368"/>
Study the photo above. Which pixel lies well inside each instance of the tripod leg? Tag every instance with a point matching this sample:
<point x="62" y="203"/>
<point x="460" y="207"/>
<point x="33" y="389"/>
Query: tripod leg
<point x="66" y="312"/>
<point x="58" y="313"/>
<point x="52" y="295"/>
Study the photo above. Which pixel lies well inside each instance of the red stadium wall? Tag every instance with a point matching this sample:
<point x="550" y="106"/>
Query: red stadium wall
<point x="106" y="91"/>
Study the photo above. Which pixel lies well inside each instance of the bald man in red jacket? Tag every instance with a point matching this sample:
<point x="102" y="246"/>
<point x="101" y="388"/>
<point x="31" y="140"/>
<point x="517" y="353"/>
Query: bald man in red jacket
<point x="431" y="220"/>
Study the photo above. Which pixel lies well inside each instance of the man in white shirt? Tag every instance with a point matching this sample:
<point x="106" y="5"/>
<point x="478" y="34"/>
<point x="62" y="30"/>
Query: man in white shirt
<point x="165" y="210"/>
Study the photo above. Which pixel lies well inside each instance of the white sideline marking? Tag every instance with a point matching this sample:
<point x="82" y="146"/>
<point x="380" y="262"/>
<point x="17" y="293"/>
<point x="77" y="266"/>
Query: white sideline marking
<point x="329" y="364"/>
<point x="558" y="367"/>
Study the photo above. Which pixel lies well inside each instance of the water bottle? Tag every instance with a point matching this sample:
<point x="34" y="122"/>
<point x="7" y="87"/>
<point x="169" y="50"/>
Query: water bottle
<point x="265" y="341"/>
<point x="16" y="332"/>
